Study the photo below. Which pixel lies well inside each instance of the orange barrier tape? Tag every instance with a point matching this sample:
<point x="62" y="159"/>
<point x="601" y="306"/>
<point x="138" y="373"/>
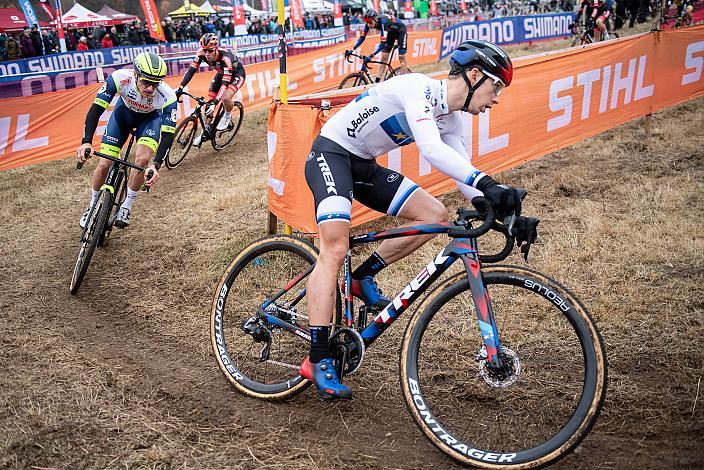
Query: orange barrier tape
<point x="46" y="127"/>
<point x="555" y="100"/>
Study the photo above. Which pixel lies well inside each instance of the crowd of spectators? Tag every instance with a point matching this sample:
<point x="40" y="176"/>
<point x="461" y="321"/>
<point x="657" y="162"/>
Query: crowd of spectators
<point x="31" y="42"/>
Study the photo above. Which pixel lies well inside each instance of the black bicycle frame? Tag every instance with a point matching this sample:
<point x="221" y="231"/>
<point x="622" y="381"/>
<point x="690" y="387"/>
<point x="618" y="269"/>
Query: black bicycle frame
<point x="459" y="248"/>
<point x="113" y="180"/>
<point x="197" y="112"/>
<point x="365" y="69"/>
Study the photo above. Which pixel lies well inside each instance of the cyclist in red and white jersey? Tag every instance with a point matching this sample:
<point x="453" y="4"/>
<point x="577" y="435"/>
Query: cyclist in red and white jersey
<point x="229" y="76"/>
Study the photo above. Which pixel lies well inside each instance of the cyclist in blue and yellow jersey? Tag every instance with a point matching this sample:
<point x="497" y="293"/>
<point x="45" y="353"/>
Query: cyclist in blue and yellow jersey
<point x="147" y="105"/>
<point x="392" y="31"/>
<point x="341" y="165"/>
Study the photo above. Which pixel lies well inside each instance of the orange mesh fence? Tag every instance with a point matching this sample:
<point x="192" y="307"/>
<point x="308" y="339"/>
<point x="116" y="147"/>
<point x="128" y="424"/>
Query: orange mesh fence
<point x="555" y="100"/>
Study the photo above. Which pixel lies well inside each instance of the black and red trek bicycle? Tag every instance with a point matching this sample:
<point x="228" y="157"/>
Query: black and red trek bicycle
<point x="500" y="365"/>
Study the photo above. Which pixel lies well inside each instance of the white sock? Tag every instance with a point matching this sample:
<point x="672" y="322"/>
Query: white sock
<point x="129" y="200"/>
<point x="94" y="195"/>
<point x="226" y="115"/>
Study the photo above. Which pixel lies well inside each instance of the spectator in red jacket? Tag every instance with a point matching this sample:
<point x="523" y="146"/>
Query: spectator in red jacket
<point x="106" y="42"/>
<point x="82" y="44"/>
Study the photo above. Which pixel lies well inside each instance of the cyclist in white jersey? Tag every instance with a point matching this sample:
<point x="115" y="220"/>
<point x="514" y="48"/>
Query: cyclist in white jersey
<point x="145" y="104"/>
<point x="342" y="166"/>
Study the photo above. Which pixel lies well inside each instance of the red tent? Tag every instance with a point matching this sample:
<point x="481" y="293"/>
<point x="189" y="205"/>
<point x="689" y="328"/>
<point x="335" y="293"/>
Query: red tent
<point x="117" y="17"/>
<point x="11" y="19"/>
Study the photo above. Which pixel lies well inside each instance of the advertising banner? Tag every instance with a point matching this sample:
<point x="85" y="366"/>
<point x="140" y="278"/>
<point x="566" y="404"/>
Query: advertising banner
<point x="555" y="100"/>
<point x="408" y="9"/>
<point x="152" y="18"/>
<point x="511" y="30"/>
<point x="29" y="13"/>
<point x="64" y="71"/>
<point x="433" y="8"/>
<point x="296" y="13"/>
<point x="32" y="132"/>
<point x="337" y="13"/>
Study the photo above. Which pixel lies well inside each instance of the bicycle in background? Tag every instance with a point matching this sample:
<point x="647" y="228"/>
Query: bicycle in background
<point x="500" y="365"/>
<point x="187" y="129"/>
<point x="363" y="77"/>
<point x="584" y="32"/>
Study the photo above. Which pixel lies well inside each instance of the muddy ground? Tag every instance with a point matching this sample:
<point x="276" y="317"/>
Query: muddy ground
<point x="122" y="376"/>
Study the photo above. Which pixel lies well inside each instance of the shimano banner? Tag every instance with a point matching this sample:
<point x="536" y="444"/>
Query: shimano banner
<point x="71" y="61"/>
<point x="75" y="69"/>
<point x="511" y="30"/>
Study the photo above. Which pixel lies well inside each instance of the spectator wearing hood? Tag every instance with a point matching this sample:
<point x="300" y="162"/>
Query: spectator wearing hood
<point x="82" y="44"/>
<point x="106" y="42"/>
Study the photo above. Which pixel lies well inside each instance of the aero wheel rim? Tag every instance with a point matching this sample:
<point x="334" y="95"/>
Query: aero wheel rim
<point x="542" y="414"/>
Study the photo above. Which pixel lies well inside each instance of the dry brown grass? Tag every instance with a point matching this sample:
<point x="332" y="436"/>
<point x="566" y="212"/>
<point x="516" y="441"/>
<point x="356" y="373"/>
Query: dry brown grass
<point x="122" y="375"/>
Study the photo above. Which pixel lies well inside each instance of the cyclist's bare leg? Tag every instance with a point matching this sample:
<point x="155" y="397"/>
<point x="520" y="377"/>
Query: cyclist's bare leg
<point x="421" y="208"/>
<point x="600" y="29"/>
<point x="100" y="173"/>
<point x="228" y="99"/>
<point x="143" y="156"/>
<point x="322" y="282"/>
<point x="404" y="64"/>
<point x="382" y="68"/>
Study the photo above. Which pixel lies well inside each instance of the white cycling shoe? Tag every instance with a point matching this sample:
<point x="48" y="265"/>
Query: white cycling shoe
<point x="84" y="218"/>
<point x="122" y="218"/>
<point x="224" y="122"/>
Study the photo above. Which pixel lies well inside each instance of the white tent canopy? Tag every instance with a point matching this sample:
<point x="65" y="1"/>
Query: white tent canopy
<point x="79" y="16"/>
<point x="207" y="7"/>
<point x="255" y="13"/>
<point x="316" y="5"/>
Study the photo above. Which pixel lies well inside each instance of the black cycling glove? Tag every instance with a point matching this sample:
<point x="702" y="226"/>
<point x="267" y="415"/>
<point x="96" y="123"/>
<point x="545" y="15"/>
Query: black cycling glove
<point x="504" y="199"/>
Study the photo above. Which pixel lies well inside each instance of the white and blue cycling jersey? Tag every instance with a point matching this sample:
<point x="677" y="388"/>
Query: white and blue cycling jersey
<point x="409" y="108"/>
<point x="405" y="109"/>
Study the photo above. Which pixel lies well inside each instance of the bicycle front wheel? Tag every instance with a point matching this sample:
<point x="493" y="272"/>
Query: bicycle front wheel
<point x="223" y="138"/>
<point x="91" y="237"/>
<point x="259" y="357"/>
<point x="353" y="80"/>
<point x="535" y="409"/>
<point x="183" y="141"/>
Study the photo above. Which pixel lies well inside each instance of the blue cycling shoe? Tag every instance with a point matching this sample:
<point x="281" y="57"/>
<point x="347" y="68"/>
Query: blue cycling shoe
<point x="367" y="290"/>
<point x="324" y="376"/>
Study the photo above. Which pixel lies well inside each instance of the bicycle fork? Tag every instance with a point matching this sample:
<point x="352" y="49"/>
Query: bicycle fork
<point x="482" y="305"/>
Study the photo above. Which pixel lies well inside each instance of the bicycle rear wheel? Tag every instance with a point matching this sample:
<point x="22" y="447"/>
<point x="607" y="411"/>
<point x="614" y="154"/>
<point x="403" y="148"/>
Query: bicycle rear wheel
<point x="530" y="413"/>
<point x="222" y="139"/>
<point x="396" y="72"/>
<point x="183" y="141"/>
<point x="353" y="80"/>
<point x="239" y="334"/>
<point x="91" y="237"/>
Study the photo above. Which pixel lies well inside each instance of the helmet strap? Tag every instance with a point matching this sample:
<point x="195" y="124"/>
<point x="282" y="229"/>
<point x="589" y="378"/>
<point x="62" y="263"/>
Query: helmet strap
<point x="472" y="89"/>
